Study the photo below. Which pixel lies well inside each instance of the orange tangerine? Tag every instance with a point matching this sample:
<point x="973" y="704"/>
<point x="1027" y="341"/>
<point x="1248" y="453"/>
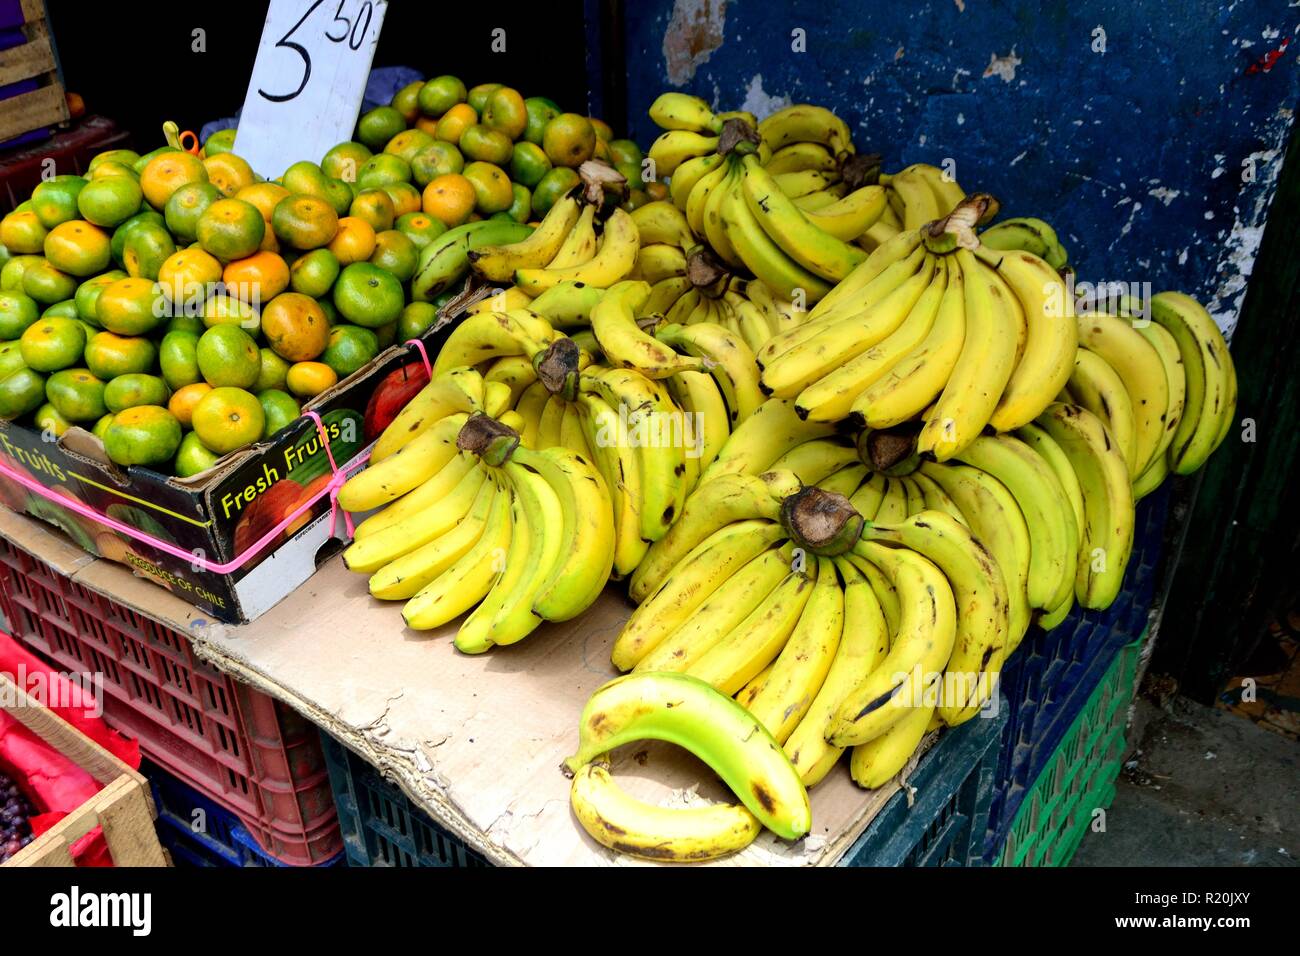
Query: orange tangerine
<point x="183" y="400"/>
<point x="505" y="111"/>
<point x="187" y="275"/>
<point x="295" y="327"/>
<point x="492" y="192"/>
<point x="455" y="121"/>
<point x="450" y="199"/>
<point x="229" y="173"/>
<point x="231" y="229"/>
<point x="308" y="379"/>
<point x="354" y="242"/>
<point x="168" y="172"/>
<point x="404" y="197"/>
<point x="375" y="207"/>
<point x="304" y="222"/>
<point x="264" y="196"/>
<point x="227" y="419"/>
<point x="78" y="248"/>
<point x="257" y="278"/>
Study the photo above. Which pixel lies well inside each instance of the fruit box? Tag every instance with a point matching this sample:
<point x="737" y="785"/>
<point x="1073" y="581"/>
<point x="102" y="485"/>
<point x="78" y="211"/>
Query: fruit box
<point x="216" y="516"/>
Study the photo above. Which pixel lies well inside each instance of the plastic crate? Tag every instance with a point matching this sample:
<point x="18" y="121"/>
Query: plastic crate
<point x="240" y="748"/>
<point x="952" y="786"/>
<point x="381" y="827"/>
<point x="1080" y="777"/>
<point x="198" y="832"/>
<point x="944" y="827"/>
<point x="1053" y="673"/>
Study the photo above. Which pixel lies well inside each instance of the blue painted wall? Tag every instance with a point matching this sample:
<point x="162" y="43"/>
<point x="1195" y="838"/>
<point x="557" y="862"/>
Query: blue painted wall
<point x="1135" y="154"/>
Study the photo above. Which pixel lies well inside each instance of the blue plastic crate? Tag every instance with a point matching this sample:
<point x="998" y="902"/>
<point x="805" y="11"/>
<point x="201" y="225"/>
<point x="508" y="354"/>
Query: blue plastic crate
<point x="218" y="840"/>
<point x="1053" y="673"/>
<point x="381" y="827"/>
<point x="946" y="823"/>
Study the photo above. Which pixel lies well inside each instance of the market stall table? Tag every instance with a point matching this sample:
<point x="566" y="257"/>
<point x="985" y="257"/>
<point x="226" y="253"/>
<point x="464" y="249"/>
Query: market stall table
<point x="475" y="741"/>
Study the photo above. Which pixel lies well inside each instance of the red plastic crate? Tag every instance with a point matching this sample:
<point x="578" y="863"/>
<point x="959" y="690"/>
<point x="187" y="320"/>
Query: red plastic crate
<point x="240" y="747"/>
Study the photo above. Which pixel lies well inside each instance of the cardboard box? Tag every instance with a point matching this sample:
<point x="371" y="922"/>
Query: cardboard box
<point x="215" y="516"/>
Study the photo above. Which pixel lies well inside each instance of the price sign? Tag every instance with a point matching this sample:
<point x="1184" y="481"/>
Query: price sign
<point x="308" y="80"/>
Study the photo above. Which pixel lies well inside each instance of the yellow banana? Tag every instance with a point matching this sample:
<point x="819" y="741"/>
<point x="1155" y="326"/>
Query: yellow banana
<point x="622" y="340"/>
<point x="1098" y="388"/>
<point x="798" y="157"/>
<point x="676" y="146"/>
<point x="729" y="360"/>
<point x="407" y="468"/>
<point x="762" y="438"/>
<point x="499" y="263"/>
<point x="580" y="245"/>
<point x="662" y="223"/>
<point x="682" y="111"/>
<point x="614" y="258"/>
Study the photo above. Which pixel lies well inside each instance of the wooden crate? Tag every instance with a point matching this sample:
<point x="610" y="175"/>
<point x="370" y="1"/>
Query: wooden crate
<point x="124" y="808"/>
<point x="35" y="59"/>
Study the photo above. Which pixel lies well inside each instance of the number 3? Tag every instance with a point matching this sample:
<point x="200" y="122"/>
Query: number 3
<point x="301" y="51"/>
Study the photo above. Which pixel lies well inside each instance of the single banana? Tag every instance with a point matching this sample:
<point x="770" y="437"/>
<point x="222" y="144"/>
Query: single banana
<point x="580" y="245"/>
<point x="919" y="203"/>
<point x="981" y="593"/>
<point x="879" y="760"/>
<point x="622" y="340"/>
<point x="986" y="362"/>
<point x="516" y="373"/>
<point x="413" y="502"/>
<point x="683" y="111"/>
<point x="815" y="460"/>
<point x="881" y="273"/>
<point x="1026" y="234"/>
<point x="701" y="192"/>
<point x="1104" y="480"/>
<point x="867" y="499"/>
<point x="727" y="358"/>
<point x="798" y="157"/>
<point x="614" y="258"/>
<point x="499" y="263"/>
<point x="682" y="710"/>
<point x="715" y="230"/>
<point x="1097" y="387"/>
<point x="921" y="643"/>
<point x="802" y="666"/>
<point x="658" y="261"/>
<point x="850" y="217"/>
<point x="846" y="481"/>
<point x="445" y="261"/>
<point x="662" y="223"/>
<point x="1052" y="338"/>
<point x="948" y="193"/>
<point x="690" y="583"/>
<point x="805" y="123"/>
<point x="621" y="473"/>
<point x="893" y="503"/>
<point x="491" y="335"/>
<point x="745" y="696"/>
<point x="1172" y="360"/>
<point x="936" y="499"/>
<point x="1207" y="366"/>
<point x="676" y="146"/>
<point x="407" y="468"/>
<point x="567" y="304"/>
<point x="912" y="494"/>
<point x="704" y="412"/>
<point x="665" y="835"/>
<point x="762" y="438"/>
<point x="503" y="301"/>
<point x="805" y="183"/>
<point x="687" y="176"/>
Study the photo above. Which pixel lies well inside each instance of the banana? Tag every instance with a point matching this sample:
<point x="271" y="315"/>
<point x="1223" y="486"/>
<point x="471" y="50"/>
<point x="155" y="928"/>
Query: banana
<point x="666" y="293"/>
<point x="936" y="499"/>
<point x="879" y="760"/>
<point x="798" y="157"/>
<point x="473" y="635"/>
<point x="919" y="202"/>
<point x="912" y="493"/>
<point x="802" y="666"/>
<point x="1049" y="515"/>
<point x="832" y="396"/>
<point x="815" y="460"/>
<point x="654" y="428"/>
<point x="1027" y="235"/>
<point x="755" y="642"/>
<point x="622" y="340"/>
<point x="665" y="835"/>
<point x="715" y="230"/>
<point x="676" y="146"/>
<point x="580" y="245"/>
<point x="705" y="413"/>
<point x="413" y="502"/>
<point x="499" y="263"/>
<point x="1052" y="338"/>
<point x="567" y="304"/>
<point x="531" y="407"/>
<point x="688" y="176"/>
<point x="745" y="696"/>
<point x="981" y="593"/>
<point x="948" y="193"/>
<point x="1047" y="449"/>
<point x="1206" y="365"/>
<point x="658" y="261"/>
<point x="445" y="260"/>
<point x="548" y="427"/>
<point x="921" y="644"/>
<point x="1097" y="387"/>
<point x="573" y="435"/>
<point x="1167" y="349"/>
<point x="1142" y="371"/>
<point x="994" y="517"/>
<point x="372" y="552"/>
<point x="490" y="335"/>
<point x="864" y="643"/>
<point x="846" y="480"/>
<point x="1107" y="536"/>
<point x="407" y="575"/>
<point x="662" y="223"/>
<point x="813" y="202"/>
<point x="812" y="247"/>
<point x="586" y="549"/>
<point x="986" y="362"/>
<point x="850" y="217"/>
<point x="838" y="342"/>
<point x="621" y="474"/>
<point x="804" y="183"/>
<point x="882" y="272"/>
<point x="1151" y="479"/>
<point x="720" y="613"/>
<point x="682" y="710"/>
<point x="454" y="390"/>
<point x="763" y="257"/>
<point x="867" y="499"/>
<point x="884" y="590"/>
<point x="715" y="505"/>
<point x="614" y="258"/>
<point x="805" y="123"/>
<point x="407" y="468"/>
<point x="465" y="583"/>
<point x="516" y="373"/>
<point x="702" y="191"/>
<point x="752" y="323"/>
<point x="762" y="438"/>
<point x="728" y="359"/>
<point x="683" y="111"/>
<point x="690" y="583"/>
<point x="503" y="301"/>
<point x="893" y="502"/>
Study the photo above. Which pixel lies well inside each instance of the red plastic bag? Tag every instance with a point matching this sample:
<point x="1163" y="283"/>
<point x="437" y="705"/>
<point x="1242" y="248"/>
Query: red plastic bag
<point x="56" y="785"/>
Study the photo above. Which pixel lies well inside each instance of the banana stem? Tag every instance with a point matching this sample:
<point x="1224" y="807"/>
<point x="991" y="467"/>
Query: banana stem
<point x="889" y="449"/>
<point x="488" y="438"/>
<point x="823" y="522"/>
<point x="557" y="368"/>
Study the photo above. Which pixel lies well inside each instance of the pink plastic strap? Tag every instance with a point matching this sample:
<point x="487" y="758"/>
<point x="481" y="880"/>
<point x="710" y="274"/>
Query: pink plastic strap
<point x="424" y="355"/>
<point x="340" y="475"/>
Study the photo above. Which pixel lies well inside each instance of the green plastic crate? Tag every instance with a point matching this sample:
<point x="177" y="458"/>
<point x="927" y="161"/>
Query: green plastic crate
<point x="1080" y="776"/>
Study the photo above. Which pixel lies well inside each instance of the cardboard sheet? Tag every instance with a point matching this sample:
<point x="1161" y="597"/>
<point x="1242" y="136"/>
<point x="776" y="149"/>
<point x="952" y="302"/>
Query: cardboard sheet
<point x="475" y="741"/>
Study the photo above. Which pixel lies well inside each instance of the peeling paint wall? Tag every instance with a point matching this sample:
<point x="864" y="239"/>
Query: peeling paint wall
<point x="1149" y="134"/>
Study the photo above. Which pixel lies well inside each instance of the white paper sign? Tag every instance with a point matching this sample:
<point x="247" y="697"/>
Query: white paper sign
<point x="308" y="80"/>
